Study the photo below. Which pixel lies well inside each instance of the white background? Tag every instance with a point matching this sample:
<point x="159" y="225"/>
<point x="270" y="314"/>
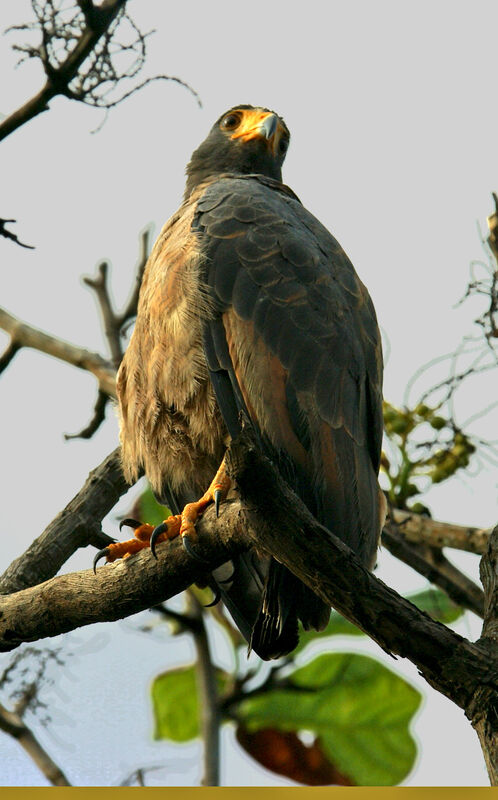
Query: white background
<point x="392" y="110"/>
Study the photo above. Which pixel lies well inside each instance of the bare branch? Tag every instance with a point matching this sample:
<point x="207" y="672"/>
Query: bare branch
<point x="24" y="335"/>
<point x="130" y="310"/>
<point x="83" y="56"/>
<point x="116" y="591"/>
<point x="485" y="713"/>
<point x="138" y="775"/>
<point x="110" y="322"/>
<point x="419" y="528"/>
<point x="431" y="563"/>
<point x="8" y="354"/>
<point x="9" y="235"/>
<point x="96" y="421"/>
<point x="58" y="79"/>
<point x="12" y="724"/>
<point x="78" y="525"/>
<point x="114" y="322"/>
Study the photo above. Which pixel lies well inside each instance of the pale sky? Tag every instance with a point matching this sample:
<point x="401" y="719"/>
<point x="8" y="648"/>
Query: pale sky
<point x="391" y="107"/>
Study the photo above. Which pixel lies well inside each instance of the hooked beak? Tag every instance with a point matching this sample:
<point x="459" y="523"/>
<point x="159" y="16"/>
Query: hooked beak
<point x="269" y="126"/>
<point x="258" y="125"/>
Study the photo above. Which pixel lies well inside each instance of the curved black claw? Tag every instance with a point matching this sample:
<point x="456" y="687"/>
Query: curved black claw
<point x="130" y="523"/>
<point x="215" y="601"/>
<point x="162" y="528"/>
<point x="190" y="550"/>
<point x="101" y="554"/>
<point x="217" y="500"/>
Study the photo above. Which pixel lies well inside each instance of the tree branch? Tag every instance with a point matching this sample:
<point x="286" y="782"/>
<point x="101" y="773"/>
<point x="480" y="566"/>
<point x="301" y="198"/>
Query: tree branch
<point x="12" y="724"/>
<point x="109" y="320"/>
<point x="419" y="528"/>
<point x="270" y="517"/>
<point x="24" y="335"/>
<point x="117" y="590"/>
<point x="96" y="420"/>
<point x="282" y="525"/>
<point x="208" y="692"/>
<point x="78" y="525"/>
<point x="12" y="236"/>
<point x="432" y="564"/>
<point x="485" y="713"/>
<point x="58" y="80"/>
<point x="113" y="322"/>
<point x="130" y="309"/>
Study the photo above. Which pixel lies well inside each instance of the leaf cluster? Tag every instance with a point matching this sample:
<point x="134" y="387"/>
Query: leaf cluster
<point x="421" y="443"/>
<point x="334" y="718"/>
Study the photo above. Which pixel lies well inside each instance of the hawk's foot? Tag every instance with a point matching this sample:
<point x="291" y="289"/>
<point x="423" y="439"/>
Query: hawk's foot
<point x="218" y="490"/>
<point x="142" y="533"/>
<point x="181" y="524"/>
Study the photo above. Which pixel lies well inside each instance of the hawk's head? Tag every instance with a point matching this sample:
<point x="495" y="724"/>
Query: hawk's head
<point x="243" y="140"/>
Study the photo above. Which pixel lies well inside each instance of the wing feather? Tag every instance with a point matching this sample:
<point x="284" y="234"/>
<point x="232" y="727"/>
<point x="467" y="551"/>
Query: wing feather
<point x="296" y="335"/>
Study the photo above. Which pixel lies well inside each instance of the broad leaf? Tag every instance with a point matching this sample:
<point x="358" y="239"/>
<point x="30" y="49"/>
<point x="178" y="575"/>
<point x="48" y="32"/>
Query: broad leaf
<point x="284" y="753"/>
<point x="175" y="704"/>
<point x="147" y="509"/>
<point x="359" y="711"/>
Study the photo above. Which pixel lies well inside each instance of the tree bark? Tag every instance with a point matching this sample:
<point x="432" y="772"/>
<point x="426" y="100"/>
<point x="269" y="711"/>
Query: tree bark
<point x="485" y="714"/>
<point x="12" y="724"/>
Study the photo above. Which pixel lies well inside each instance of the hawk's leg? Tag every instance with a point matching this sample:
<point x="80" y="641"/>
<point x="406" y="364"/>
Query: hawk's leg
<point x="217" y="491"/>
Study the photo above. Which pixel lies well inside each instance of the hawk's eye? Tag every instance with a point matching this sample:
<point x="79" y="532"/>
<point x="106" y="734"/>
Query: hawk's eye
<point x="230" y="121"/>
<point x="283" y="145"/>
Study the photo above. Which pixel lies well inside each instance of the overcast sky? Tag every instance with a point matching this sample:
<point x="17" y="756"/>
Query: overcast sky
<point x="392" y="111"/>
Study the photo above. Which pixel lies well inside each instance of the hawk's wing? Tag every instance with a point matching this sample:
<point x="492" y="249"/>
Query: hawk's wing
<point x="294" y="341"/>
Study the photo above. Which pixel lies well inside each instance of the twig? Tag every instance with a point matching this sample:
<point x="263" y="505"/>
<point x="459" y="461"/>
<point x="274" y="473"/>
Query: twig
<point x="114" y="322"/>
<point x="24" y="335"/>
<point x="98" y="20"/>
<point x="184" y="622"/>
<point x="86" y="39"/>
<point x="12" y="724"/>
<point x="130" y="309"/>
<point x="9" y="235"/>
<point x="95" y="422"/>
<point x="111" y="327"/>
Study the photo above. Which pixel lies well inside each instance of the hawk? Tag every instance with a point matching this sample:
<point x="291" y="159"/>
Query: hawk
<point x="249" y="304"/>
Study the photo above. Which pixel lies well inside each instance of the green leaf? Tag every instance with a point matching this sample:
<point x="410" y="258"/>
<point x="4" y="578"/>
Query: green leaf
<point x="359" y="710"/>
<point x="175" y="704"/>
<point x="149" y="510"/>
<point x="437" y="604"/>
<point x="434" y="602"/>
